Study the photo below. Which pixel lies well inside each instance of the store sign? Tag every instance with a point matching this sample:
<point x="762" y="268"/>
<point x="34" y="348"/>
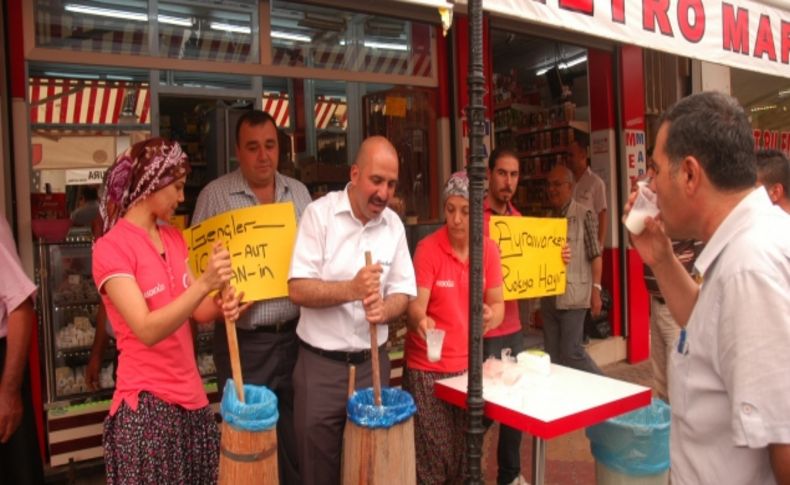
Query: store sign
<point x="738" y="33"/>
<point x="774" y="139"/>
<point x="531" y="251"/>
<point x="85" y="176"/>
<point x="635" y="155"/>
<point x="260" y="240"/>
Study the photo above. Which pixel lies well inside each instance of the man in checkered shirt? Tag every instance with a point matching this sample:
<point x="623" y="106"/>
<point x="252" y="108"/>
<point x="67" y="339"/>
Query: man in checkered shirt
<point x="266" y="332"/>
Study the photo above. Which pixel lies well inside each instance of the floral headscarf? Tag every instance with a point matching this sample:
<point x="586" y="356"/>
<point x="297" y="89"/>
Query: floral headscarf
<point x="138" y="172"/>
<point x="457" y="184"/>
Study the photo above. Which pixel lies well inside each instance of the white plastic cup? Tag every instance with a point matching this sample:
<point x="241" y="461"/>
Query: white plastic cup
<point x="435" y="339"/>
<point x="644" y="206"/>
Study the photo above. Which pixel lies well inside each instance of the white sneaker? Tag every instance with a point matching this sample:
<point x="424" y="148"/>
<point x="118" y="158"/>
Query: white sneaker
<point x="519" y="480"/>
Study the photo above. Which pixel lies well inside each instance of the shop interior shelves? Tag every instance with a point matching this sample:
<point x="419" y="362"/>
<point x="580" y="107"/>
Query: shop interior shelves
<point x="576" y="125"/>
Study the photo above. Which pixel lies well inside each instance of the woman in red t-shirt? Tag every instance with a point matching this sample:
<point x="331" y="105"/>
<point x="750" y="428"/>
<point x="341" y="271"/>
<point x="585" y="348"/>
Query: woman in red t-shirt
<point x="441" y="266"/>
<point x="160" y="428"/>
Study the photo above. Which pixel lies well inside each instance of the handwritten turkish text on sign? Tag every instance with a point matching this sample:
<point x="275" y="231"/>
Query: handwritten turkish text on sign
<point x="531" y="251"/>
<point x="260" y="240"/>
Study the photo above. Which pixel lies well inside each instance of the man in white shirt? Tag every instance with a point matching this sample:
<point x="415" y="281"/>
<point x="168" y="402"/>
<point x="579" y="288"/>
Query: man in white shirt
<point x="589" y="189"/>
<point x="729" y="388"/>
<point x="340" y="297"/>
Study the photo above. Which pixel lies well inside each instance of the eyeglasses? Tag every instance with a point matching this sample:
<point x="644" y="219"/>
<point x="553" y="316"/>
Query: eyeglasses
<point x="555" y="184"/>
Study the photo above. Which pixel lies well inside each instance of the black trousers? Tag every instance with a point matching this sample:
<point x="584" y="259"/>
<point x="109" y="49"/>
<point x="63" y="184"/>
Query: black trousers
<point x="267" y="359"/>
<point x="321" y="387"/>
<point x="20" y="461"/>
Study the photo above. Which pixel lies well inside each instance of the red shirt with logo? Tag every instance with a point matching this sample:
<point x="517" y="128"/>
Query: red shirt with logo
<point x="511" y="323"/>
<point x="167" y="369"/>
<point x="439" y="270"/>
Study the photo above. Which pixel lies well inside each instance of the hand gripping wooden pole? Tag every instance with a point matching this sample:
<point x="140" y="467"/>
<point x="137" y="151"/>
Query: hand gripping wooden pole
<point x="233" y="348"/>
<point x="374" y="349"/>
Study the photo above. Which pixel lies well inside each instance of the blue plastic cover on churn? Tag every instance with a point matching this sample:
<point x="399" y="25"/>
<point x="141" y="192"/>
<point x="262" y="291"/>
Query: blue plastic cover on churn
<point x="258" y="412"/>
<point x="397" y="406"/>
<point x="636" y="443"/>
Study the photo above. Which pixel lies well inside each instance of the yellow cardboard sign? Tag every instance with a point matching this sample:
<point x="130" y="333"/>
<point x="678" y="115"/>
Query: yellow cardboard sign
<point x="260" y="240"/>
<point x="531" y="252"/>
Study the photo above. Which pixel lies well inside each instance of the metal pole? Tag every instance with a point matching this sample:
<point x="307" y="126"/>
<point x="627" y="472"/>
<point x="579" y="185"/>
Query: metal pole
<point x="475" y="114"/>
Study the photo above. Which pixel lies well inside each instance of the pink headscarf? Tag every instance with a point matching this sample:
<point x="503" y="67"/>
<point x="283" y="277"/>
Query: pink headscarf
<point x="138" y="172"/>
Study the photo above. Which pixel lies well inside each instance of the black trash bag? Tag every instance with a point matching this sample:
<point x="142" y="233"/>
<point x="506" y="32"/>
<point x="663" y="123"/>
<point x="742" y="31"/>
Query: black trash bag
<point x="599" y="327"/>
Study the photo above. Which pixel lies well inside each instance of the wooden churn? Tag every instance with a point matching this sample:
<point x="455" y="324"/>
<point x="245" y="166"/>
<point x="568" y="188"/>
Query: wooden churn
<point x="248" y="456"/>
<point x="378" y="440"/>
<point x="248" y="445"/>
<point x="378" y="456"/>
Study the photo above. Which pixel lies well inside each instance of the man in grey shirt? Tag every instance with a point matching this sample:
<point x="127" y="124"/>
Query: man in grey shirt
<point x="266" y="332"/>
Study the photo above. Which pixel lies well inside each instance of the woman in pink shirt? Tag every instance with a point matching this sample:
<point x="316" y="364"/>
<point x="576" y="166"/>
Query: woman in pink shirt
<point x="441" y="266"/>
<point x="160" y="428"/>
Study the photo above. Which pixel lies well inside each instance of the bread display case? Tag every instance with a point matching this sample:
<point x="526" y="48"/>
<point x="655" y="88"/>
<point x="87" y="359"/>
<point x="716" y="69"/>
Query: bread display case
<point x="68" y="304"/>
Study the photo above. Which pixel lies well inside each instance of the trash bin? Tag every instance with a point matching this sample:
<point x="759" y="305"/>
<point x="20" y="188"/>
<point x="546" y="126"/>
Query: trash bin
<point x="633" y="449"/>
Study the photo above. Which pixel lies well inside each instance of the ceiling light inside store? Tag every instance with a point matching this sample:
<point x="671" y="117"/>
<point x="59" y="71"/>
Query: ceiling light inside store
<point x="784" y="93"/>
<point x="180" y="21"/>
<point x="236" y="29"/>
<point x="116" y="77"/>
<point x="562" y="65"/>
<point x="125" y="15"/>
<point x="765" y="107"/>
<point x="290" y="36"/>
<point x="71" y="75"/>
<point x="381" y="45"/>
<point x="105" y="12"/>
<point x="386" y="45"/>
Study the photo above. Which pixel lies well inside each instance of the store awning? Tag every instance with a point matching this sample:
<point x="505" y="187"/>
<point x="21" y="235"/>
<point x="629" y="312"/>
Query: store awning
<point x="85" y="102"/>
<point x="66" y="102"/>
<point x="329" y="112"/>
<point x="746" y="34"/>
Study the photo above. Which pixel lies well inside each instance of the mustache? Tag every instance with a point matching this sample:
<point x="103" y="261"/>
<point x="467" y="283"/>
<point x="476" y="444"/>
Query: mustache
<point x="375" y="199"/>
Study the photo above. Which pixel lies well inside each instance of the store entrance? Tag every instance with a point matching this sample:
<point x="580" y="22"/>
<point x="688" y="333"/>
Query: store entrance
<point x="541" y="105"/>
<point x="206" y="129"/>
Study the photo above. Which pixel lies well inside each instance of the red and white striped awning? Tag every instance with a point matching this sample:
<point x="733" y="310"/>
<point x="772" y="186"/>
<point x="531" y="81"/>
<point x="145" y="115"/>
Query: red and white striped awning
<point x="331" y="112"/>
<point x="277" y="105"/>
<point x="326" y="110"/>
<point x="85" y="102"/>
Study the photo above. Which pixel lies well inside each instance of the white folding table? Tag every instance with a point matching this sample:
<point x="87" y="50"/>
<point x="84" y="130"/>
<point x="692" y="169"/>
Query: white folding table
<point x="549" y="406"/>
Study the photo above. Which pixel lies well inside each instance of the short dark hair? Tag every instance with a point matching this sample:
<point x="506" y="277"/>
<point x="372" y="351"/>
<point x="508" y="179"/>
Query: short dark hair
<point x="498" y="153"/>
<point x="254" y="117"/>
<point x="773" y="167"/>
<point x="713" y="128"/>
<point x="581" y="138"/>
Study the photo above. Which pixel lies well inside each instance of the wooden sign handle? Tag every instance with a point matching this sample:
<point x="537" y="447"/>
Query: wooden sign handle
<point x="374" y="349"/>
<point x="233" y="348"/>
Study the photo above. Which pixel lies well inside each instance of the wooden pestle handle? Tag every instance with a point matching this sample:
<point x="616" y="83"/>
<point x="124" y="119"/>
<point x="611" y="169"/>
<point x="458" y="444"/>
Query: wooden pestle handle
<point x="352" y="380"/>
<point x="233" y="348"/>
<point x="374" y="350"/>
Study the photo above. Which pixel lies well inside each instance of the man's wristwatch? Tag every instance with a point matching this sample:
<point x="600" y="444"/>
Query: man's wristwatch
<point x="597" y="286"/>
